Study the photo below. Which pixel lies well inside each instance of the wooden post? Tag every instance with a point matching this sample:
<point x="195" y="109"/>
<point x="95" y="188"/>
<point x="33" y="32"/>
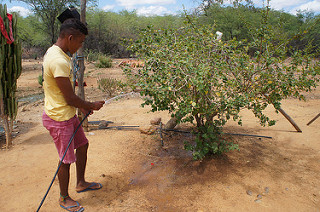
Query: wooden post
<point x="286" y="116"/>
<point x="315" y="118"/>
<point x="82" y="68"/>
<point x="290" y="120"/>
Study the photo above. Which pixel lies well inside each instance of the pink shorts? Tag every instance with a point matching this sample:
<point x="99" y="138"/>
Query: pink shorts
<point x="61" y="132"/>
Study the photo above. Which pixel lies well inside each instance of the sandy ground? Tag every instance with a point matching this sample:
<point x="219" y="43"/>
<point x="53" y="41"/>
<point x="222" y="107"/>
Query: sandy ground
<point x="278" y="174"/>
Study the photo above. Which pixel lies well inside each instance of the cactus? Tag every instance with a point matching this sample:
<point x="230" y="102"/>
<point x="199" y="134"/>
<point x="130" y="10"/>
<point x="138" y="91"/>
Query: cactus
<point x="10" y="70"/>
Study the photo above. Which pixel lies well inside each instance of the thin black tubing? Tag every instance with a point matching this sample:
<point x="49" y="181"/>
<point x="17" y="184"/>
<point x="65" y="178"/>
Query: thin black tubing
<point x="236" y="134"/>
<point x="54" y="177"/>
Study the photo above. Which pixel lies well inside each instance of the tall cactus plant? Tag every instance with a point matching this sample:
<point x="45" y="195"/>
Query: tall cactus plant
<point x="10" y="70"/>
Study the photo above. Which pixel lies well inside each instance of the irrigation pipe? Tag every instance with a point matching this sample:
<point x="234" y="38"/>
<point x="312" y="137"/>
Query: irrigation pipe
<point x="119" y="127"/>
<point x="237" y="134"/>
<point x="257" y="136"/>
<point x="54" y="177"/>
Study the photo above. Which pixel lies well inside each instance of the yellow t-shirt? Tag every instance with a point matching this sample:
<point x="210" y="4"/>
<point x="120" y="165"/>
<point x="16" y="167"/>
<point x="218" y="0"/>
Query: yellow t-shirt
<point x="56" y="63"/>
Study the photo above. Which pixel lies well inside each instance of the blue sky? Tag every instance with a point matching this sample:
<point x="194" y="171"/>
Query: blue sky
<point x="161" y="7"/>
<point x="148" y="7"/>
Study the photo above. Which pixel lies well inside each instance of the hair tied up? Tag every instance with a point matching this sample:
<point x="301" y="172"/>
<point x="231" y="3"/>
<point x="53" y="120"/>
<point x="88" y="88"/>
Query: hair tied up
<point x="70" y="12"/>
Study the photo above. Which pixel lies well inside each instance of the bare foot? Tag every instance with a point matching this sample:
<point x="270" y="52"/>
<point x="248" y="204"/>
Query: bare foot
<point x="69" y="204"/>
<point x="86" y="186"/>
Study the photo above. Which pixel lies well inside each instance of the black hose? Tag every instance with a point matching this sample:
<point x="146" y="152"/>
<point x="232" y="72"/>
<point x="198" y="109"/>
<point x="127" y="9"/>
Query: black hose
<point x="236" y="134"/>
<point x="54" y="177"/>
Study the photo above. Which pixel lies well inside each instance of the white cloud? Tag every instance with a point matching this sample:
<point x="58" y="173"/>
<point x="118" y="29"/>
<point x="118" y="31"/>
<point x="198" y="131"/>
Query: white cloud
<point x="132" y="3"/>
<point x="310" y="6"/>
<point x="109" y="7"/>
<point x="21" y="10"/>
<point x="281" y="4"/>
<point x="291" y="5"/>
<point x="153" y="10"/>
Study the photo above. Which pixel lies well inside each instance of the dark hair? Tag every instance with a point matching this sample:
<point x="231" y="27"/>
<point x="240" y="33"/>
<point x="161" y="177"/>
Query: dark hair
<point x="73" y="26"/>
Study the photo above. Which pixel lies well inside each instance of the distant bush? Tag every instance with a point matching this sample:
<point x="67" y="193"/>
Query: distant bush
<point x="92" y="56"/>
<point x="110" y="86"/>
<point x="40" y="79"/>
<point x="104" y="62"/>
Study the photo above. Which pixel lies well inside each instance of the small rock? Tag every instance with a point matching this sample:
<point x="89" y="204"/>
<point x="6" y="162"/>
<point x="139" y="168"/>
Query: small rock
<point x="103" y="124"/>
<point x="90" y="133"/>
<point x="286" y="189"/>
<point x="257" y="200"/>
<point x="103" y="175"/>
<point x="148" y="130"/>
<point x="170" y="124"/>
<point x="144" y="130"/>
<point x="266" y="190"/>
<point x="259" y="196"/>
<point x="152" y="129"/>
<point x="249" y="192"/>
<point x="155" y="121"/>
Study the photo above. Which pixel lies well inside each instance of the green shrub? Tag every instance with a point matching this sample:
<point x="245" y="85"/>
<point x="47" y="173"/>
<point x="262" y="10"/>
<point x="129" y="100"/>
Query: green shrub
<point x="92" y="56"/>
<point x="110" y="86"/>
<point x="40" y="79"/>
<point x="104" y="62"/>
<point x="207" y="82"/>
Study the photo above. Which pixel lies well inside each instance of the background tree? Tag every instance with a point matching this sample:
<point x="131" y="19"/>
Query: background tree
<point x="107" y="29"/>
<point x="206" y="4"/>
<point x="48" y="11"/>
<point x="309" y="32"/>
<point x="234" y="22"/>
<point x="32" y="35"/>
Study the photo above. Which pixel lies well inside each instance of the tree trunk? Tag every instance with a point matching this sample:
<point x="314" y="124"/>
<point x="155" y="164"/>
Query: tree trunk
<point x="81" y="93"/>
<point x="7" y="130"/>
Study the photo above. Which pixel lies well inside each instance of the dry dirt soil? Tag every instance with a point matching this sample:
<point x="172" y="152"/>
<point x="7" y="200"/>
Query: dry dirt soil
<point x="138" y="174"/>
